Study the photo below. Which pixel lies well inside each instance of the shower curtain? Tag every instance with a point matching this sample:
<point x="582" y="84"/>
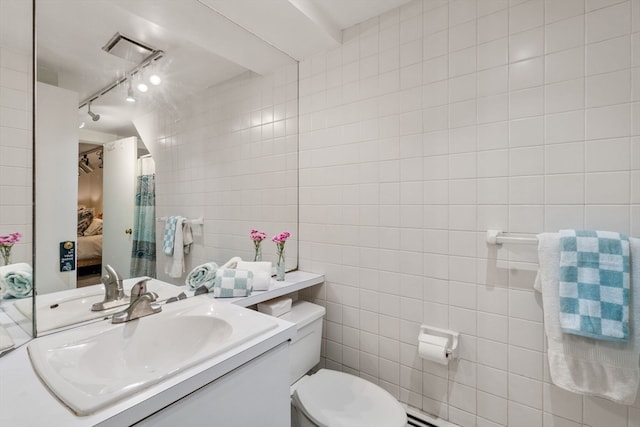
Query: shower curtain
<point x="143" y="252"/>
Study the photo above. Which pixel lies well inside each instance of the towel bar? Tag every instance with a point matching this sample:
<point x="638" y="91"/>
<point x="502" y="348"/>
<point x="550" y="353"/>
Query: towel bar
<point x="497" y="237"/>
<point x="195" y="221"/>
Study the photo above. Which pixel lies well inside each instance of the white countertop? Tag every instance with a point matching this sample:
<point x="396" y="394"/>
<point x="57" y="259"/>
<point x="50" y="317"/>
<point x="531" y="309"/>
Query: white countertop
<point x="26" y="402"/>
<point x="14" y="324"/>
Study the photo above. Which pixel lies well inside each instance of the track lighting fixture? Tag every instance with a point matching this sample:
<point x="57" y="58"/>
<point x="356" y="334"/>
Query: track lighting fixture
<point x="83" y="164"/>
<point x="146" y="65"/>
<point x="85" y="168"/>
<point x="130" y="97"/>
<point x="95" y="117"/>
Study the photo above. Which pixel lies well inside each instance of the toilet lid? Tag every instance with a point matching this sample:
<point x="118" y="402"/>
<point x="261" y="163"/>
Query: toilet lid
<point x="335" y="399"/>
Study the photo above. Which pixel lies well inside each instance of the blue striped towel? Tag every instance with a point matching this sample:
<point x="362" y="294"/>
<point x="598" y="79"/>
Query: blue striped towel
<point x="594" y="284"/>
<point x="169" y="235"/>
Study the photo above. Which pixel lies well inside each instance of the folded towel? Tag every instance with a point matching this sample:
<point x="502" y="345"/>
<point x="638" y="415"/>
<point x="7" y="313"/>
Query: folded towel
<point x="232" y="263"/>
<point x="16" y="280"/>
<point x="169" y="235"/>
<point x="261" y="273"/>
<point x="231" y="283"/>
<point x="579" y="364"/>
<point x="594" y="284"/>
<point x="204" y="274"/>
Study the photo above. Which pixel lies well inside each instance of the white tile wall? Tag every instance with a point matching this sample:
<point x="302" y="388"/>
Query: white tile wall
<point x="16" y="143"/>
<point x="466" y="115"/>
<point x="254" y="121"/>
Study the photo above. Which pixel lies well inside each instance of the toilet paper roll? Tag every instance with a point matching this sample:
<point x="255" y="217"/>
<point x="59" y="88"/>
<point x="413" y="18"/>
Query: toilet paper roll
<point x="433" y="348"/>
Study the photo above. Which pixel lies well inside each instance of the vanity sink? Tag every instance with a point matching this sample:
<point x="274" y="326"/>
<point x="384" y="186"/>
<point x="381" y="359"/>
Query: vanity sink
<point x="92" y="367"/>
<point x="60" y="309"/>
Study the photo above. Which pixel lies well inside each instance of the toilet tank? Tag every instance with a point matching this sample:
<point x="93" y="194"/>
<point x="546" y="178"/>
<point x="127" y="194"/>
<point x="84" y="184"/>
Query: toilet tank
<point x="304" y="349"/>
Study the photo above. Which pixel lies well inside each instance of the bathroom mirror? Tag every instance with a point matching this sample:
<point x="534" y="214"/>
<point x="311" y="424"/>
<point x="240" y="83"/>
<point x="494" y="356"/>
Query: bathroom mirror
<point x="220" y="126"/>
<point x="16" y="195"/>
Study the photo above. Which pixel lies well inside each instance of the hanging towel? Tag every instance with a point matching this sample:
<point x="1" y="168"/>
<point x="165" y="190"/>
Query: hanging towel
<point x="583" y="365"/>
<point x="594" y="284"/>
<point x="187" y="236"/>
<point x="16" y="280"/>
<point x="204" y="274"/>
<point x="181" y="246"/>
<point x="169" y="235"/>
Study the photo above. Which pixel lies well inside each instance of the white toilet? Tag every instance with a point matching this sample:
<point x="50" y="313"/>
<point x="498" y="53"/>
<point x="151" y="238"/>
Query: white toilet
<point x="330" y="398"/>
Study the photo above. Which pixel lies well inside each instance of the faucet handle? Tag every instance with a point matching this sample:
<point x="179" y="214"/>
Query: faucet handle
<point x="139" y="288"/>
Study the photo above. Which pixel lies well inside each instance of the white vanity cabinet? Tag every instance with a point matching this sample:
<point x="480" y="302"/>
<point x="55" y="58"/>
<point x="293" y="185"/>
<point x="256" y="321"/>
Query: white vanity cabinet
<point x="247" y="385"/>
<point x="254" y="394"/>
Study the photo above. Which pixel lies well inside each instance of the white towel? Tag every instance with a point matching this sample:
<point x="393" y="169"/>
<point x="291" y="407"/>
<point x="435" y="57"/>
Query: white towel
<point x="261" y="273"/>
<point x="16" y="280"/>
<point x="181" y="246"/>
<point x="583" y="365"/>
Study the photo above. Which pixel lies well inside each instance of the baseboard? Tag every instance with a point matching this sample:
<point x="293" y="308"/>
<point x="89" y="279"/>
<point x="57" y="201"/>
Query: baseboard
<point x="417" y="418"/>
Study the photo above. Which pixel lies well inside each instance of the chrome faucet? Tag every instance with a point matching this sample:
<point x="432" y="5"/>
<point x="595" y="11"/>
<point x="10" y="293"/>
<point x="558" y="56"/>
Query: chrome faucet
<point x="114" y="295"/>
<point x="142" y="304"/>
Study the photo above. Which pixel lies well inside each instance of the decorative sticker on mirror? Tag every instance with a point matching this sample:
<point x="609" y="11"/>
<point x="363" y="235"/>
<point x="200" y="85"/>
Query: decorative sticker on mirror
<point x="67" y="256"/>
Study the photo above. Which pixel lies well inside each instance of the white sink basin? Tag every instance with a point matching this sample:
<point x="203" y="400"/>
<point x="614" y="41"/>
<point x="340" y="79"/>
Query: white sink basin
<point x="64" y="308"/>
<point x="91" y="367"/>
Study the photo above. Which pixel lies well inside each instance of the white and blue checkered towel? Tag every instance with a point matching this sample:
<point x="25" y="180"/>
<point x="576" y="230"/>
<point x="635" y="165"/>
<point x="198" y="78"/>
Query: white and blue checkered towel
<point x="594" y="284"/>
<point x="169" y="235"/>
<point x="230" y="283"/>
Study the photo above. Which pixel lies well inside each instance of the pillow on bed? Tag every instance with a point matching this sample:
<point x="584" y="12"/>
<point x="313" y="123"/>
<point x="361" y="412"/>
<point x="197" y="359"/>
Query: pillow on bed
<point x="94" y="229"/>
<point x="85" y="216"/>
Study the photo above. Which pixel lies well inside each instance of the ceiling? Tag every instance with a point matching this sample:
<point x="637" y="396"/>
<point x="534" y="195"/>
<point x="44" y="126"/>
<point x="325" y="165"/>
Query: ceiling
<point x="205" y="42"/>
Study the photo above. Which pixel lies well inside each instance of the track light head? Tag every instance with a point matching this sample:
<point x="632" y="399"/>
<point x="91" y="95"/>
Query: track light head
<point x="95" y="117"/>
<point x="130" y="97"/>
<point x="83" y="164"/>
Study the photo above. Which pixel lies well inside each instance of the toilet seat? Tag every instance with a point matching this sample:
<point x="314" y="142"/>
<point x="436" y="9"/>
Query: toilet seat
<point x="336" y="399"/>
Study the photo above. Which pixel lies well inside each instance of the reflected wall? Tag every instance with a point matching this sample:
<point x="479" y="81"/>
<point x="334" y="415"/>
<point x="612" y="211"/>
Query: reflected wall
<point x="16" y="124"/>
<point x="229" y="155"/>
<point x="16" y="154"/>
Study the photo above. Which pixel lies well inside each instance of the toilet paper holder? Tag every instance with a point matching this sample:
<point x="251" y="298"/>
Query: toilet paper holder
<point x="451" y="336"/>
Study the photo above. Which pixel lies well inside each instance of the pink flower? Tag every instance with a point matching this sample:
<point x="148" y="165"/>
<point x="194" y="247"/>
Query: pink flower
<point x="281" y="238"/>
<point x="257" y="236"/>
<point x="11" y="239"/>
<point x="6" y="243"/>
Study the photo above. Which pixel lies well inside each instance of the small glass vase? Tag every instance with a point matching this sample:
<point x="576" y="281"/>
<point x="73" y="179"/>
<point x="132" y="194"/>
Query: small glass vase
<point x="280" y="266"/>
<point x="257" y="256"/>
<point x="6" y="256"/>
